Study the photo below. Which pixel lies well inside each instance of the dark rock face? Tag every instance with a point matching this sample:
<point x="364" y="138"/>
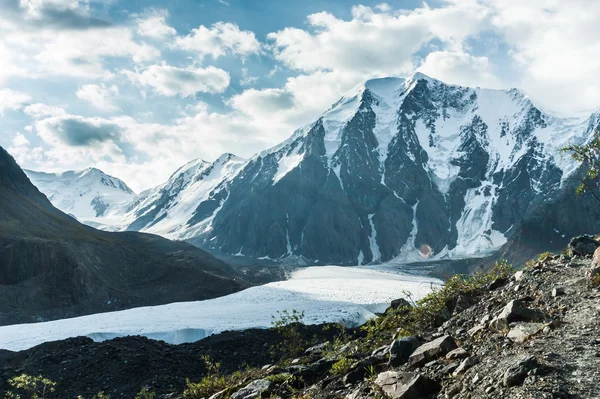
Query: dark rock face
<point x="402" y="168"/>
<point x="401" y="349"/>
<point x="52" y="266"/>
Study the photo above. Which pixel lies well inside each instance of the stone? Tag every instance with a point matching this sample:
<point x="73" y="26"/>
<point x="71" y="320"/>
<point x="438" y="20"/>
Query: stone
<point x="465" y="365"/>
<point x="518" y="276"/>
<point x="515" y="311"/>
<point x="523" y="331"/>
<point x="458" y="353"/>
<point x="558" y="291"/>
<point x="400" y="303"/>
<point x="475" y="330"/>
<point x="449" y="368"/>
<point x="401" y="349"/>
<point x="462" y="304"/>
<point x="583" y="245"/>
<point x="254" y="390"/>
<point x="593" y="273"/>
<point x="443" y="316"/>
<point x="497" y="283"/>
<point x="517" y="372"/>
<point x="398" y="385"/>
<point x="316" y="350"/>
<point x="431" y="350"/>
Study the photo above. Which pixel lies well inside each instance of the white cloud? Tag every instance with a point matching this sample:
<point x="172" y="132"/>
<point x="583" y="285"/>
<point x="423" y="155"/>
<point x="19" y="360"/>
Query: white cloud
<point x="12" y="100"/>
<point x="220" y="39"/>
<point x="555" y="47"/>
<point x="375" y="43"/>
<point x="100" y="96"/>
<point x="246" y="79"/>
<point x="171" y="81"/>
<point x="460" y="68"/>
<point x="155" y="25"/>
<point x="39" y="110"/>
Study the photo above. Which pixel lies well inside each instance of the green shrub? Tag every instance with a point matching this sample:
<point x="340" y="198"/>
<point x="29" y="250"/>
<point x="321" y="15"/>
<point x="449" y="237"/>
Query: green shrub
<point x="146" y="393"/>
<point x="421" y="317"/>
<point x="342" y="366"/>
<point x="36" y="387"/>
<point x="288" y="324"/>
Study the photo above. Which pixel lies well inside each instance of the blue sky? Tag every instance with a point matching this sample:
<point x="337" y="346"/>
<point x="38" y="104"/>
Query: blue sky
<point x="137" y="88"/>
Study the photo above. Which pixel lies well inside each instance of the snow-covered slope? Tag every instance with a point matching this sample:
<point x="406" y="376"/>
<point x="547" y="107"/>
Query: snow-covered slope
<point x="326" y="294"/>
<point x="89" y="195"/>
<point x="170" y="209"/>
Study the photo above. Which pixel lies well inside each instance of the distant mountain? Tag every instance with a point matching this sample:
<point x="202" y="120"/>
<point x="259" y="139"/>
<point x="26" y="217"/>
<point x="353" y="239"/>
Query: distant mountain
<point x="88" y="195"/>
<point x="171" y="209"/>
<point x="52" y="266"/>
<point x="397" y="169"/>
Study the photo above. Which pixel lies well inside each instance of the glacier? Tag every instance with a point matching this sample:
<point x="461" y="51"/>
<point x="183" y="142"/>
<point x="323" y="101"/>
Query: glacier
<point x="349" y="295"/>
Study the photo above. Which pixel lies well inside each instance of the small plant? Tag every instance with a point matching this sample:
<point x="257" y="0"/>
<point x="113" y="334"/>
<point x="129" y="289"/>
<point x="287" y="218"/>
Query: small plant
<point x="371" y="371"/>
<point x="146" y="393"/>
<point x="101" y="395"/>
<point x="37" y="387"/>
<point x="288" y="325"/>
<point x="589" y="156"/>
<point x="342" y="366"/>
<point x="544" y="256"/>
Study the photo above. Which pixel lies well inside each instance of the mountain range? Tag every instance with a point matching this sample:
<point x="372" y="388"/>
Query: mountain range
<point x="397" y="169"/>
<point x="52" y="266"/>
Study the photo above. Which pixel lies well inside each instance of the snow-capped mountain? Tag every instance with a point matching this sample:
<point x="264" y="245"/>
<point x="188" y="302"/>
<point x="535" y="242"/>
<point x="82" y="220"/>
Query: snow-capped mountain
<point x="400" y="168"/>
<point x="88" y="195"/>
<point x="175" y="208"/>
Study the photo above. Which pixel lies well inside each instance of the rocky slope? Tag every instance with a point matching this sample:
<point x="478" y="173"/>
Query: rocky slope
<point x="400" y="168"/>
<point x="88" y="195"/>
<point x="52" y="266"/>
<point x="531" y="334"/>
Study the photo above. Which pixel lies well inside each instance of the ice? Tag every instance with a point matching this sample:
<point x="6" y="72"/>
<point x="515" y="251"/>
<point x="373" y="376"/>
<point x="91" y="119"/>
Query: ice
<point x="373" y="241"/>
<point x="350" y="295"/>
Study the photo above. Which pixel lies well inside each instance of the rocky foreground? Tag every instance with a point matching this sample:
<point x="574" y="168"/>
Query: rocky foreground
<point x="534" y="333"/>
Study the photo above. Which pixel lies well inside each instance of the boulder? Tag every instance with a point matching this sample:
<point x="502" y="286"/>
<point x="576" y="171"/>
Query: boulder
<point x="254" y="390"/>
<point x="558" y="291"/>
<point x="431" y="350"/>
<point x="583" y="245"/>
<point x="517" y="372"/>
<point x="593" y="272"/>
<point x="516" y="311"/>
<point x="401" y="349"/>
<point x="398" y="385"/>
<point x="523" y="331"/>
<point x="400" y="303"/>
<point x="465" y="365"/>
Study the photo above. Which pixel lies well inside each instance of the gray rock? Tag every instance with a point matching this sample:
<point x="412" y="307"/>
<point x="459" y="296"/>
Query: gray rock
<point x="401" y="349"/>
<point x="254" y="390"/>
<point x="523" y="331"/>
<point x="516" y="311"/>
<point x="558" y="291"/>
<point x="516" y="373"/>
<point x="458" y="353"/>
<point x="431" y="350"/>
<point x="465" y="365"/>
<point x="406" y="385"/>
<point x="583" y="245"/>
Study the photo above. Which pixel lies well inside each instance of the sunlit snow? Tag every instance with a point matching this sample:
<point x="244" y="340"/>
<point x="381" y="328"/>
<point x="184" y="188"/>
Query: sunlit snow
<point x="350" y="295"/>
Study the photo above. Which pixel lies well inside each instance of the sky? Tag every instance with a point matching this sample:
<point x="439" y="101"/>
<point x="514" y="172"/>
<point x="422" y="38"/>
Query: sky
<point x="138" y="88"/>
